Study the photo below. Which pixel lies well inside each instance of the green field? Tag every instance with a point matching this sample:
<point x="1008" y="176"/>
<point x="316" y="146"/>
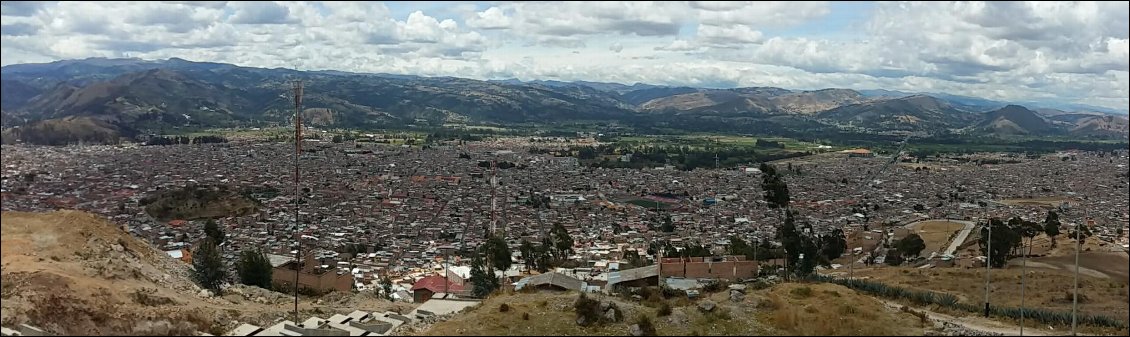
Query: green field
<point x="650" y="204"/>
<point x="701" y="141"/>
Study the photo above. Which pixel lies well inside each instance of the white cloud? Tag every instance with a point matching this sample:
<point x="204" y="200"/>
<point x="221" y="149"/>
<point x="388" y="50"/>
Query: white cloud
<point x="492" y="18"/>
<point x="678" y="45"/>
<point x="766" y="13"/>
<point x="261" y="12"/>
<point x="728" y="35"/>
<point x="1035" y="50"/>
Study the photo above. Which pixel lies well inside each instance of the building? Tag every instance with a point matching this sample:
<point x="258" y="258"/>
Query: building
<point x="310" y="275"/>
<point x="423" y="289"/>
<point x="731" y="268"/>
<point x="861" y="153"/>
<point x="184" y="255"/>
<point x="550" y="281"/>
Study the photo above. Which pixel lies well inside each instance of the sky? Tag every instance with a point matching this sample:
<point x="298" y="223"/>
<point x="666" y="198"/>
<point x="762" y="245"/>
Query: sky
<point x="1017" y="51"/>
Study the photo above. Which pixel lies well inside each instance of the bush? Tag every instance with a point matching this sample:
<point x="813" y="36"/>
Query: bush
<point x="672" y="292"/>
<point x="714" y="286"/>
<point x="664" y="310"/>
<point x="802" y="292"/>
<point x="525" y="316"/>
<point x="645" y="325"/>
<point x="504" y="308"/>
<point x="587" y="308"/>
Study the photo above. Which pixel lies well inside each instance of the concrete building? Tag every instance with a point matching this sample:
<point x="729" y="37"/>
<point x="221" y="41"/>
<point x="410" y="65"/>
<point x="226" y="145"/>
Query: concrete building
<point x="311" y="276"/>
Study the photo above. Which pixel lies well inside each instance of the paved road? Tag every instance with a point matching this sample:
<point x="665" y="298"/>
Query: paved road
<point x="958" y="240"/>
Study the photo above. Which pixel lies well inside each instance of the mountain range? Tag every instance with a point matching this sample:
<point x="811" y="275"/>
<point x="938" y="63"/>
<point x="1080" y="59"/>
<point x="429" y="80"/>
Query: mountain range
<point x="60" y="102"/>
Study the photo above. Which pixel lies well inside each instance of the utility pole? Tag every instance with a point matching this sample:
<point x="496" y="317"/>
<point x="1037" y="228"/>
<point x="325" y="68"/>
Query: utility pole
<point x="1075" y="295"/>
<point x="988" y="261"/>
<point x="1023" y="285"/>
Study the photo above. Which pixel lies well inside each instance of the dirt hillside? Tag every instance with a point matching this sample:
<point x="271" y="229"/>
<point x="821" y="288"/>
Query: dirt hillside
<point x="71" y="272"/>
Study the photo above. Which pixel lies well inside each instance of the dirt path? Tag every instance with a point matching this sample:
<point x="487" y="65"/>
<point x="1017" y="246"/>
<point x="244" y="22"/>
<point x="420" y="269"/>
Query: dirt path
<point x="980" y="324"/>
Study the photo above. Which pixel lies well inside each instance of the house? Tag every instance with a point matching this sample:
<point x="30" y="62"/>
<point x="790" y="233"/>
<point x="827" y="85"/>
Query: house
<point x="430" y="285"/>
<point x="635" y="277"/>
<point x="310" y="275"/>
<point x="549" y="281"/>
<point x="181" y="254"/>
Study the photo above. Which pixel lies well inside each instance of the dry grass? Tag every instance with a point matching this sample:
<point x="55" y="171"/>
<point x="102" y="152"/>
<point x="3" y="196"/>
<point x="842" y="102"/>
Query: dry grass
<point x="832" y="310"/>
<point x="1045" y="287"/>
<point x="552" y="314"/>
<point x="936" y="234"/>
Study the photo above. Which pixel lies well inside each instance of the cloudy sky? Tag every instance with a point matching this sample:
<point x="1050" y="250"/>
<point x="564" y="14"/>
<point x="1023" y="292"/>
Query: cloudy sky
<point x="1043" y="51"/>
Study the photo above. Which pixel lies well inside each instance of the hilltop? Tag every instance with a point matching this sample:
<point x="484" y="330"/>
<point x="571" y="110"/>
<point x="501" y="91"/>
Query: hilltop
<point x="71" y="272"/>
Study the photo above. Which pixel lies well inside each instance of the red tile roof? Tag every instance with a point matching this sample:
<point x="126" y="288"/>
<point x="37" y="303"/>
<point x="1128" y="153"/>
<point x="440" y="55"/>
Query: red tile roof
<point x="435" y="284"/>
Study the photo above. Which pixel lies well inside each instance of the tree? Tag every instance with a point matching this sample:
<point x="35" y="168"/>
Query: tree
<point x="527" y="250"/>
<point x="542" y="258"/>
<point x="634" y="260"/>
<point x="386" y="288"/>
<point x="668" y="225"/>
<point x="255" y="269"/>
<point x="796" y="244"/>
<point x="911" y="245"/>
<point x="1051" y="226"/>
<point x="497" y="253"/>
<point x="1083" y="233"/>
<point x="483" y="283"/>
<point x="562" y="242"/>
<point x="834" y="245"/>
<point x="209" y="269"/>
<point x="213" y="231"/>
<point x="775" y="189"/>
<point x="694" y="250"/>
<point x="740" y="247"/>
<point x="338" y="139"/>
<point x="1004" y="240"/>
<point x="1030" y="229"/>
<point x="894" y="257"/>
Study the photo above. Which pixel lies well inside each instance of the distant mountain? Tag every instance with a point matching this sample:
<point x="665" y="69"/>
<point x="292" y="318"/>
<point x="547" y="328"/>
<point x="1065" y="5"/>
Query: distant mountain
<point x="15" y="93"/>
<point x="641" y="96"/>
<point x="911" y="113"/>
<point x="177" y="93"/>
<point x="883" y="93"/>
<point x="69" y="130"/>
<point x="1015" y="120"/>
<point x="1102" y="126"/>
<point x="123" y="97"/>
<point x="810" y="102"/>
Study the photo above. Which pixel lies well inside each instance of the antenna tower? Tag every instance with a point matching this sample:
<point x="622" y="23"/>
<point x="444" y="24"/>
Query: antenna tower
<point x="493" y="200"/>
<point x="296" y="86"/>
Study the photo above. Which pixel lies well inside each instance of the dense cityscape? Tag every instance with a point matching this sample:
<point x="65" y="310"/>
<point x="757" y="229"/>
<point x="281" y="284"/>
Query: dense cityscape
<point x="374" y="210"/>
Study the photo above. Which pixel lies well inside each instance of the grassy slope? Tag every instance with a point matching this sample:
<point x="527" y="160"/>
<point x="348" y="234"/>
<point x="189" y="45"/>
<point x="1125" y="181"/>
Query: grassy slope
<point x="825" y="310"/>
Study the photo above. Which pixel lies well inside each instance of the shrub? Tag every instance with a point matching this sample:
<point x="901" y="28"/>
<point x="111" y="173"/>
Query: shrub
<point x="664" y="310"/>
<point x="802" y="292"/>
<point x="525" y="316"/>
<point x="504" y="308"/>
<point x="587" y="308"/>
<point x="645" y="325"/>
<point x="714" y="286"/>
